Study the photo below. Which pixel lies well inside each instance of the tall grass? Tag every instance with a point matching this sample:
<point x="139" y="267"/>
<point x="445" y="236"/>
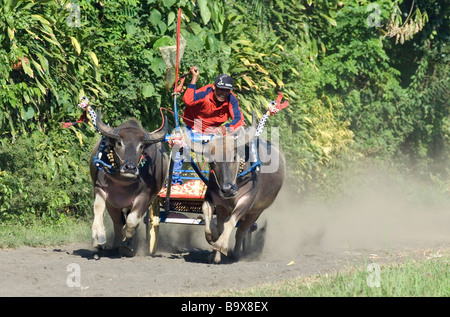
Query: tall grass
<point x="38" y="232"/>
<point x="430" y="277"/>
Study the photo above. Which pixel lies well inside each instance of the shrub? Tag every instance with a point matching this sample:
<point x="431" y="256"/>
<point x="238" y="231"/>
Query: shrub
<point x="45" y="175"/>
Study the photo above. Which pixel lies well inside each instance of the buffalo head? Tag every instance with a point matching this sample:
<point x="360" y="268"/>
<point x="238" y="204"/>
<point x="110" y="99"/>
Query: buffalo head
<point x="226" y="156"/>
<point x="128" y="143"/>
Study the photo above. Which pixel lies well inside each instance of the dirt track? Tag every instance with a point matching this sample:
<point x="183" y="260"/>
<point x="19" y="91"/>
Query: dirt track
<point x="45" y="271"/>
<point x="318" y="239"/>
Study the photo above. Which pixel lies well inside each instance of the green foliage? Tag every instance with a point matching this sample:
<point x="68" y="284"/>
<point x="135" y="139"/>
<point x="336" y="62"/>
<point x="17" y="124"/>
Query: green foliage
<point x="42" y="67"/>
<point x="354" y="88"/>
<point x="358" y="71"/>
<point x="392" y="95"/>
<point x="45" y="175"/>
<point x="427" y="89"/>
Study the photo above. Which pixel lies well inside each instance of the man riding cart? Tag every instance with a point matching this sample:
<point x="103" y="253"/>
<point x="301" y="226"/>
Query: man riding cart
<point x="207" y="108"/>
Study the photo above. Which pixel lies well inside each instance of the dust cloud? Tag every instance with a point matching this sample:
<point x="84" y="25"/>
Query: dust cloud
<point x="375" y="210"/>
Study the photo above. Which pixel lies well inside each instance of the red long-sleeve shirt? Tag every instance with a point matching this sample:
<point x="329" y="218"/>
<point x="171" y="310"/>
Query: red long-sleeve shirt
<point x="200" y="105"/>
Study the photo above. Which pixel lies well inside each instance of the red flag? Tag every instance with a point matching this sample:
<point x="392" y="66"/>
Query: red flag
<point x="273" y="109"/>
<point x="83" y="118"/>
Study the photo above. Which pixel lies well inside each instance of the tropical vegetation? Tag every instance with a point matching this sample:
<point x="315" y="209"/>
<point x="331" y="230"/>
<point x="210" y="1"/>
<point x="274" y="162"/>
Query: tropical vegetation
<point x="365" y="80"/>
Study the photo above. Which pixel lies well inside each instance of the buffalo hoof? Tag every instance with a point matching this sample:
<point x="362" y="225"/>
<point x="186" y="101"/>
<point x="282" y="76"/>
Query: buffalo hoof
<point x="98" y="240"/>
<point x="127" y="248"/>
<point x="220" y="248"/>
<point x="209" y="238"/>
<point x="215" y="257"/>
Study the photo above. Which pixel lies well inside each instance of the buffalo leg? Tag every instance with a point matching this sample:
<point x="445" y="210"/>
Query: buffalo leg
<point x="118" y="220"/>
<point x="211" y="233"/>
<point x="242" y="230"/>
<point x="98" y="228"/>
<point x="221" y="244"/>
<point x="215" y="257"/>
<point x="129" y="229"/>
<point x="222" y="215"/>
<point x="133" y="220"/>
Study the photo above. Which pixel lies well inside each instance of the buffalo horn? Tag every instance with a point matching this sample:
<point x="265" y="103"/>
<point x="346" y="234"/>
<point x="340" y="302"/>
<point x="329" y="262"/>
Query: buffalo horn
<point x="158" y="135"/>
<point x="104" y="129"/>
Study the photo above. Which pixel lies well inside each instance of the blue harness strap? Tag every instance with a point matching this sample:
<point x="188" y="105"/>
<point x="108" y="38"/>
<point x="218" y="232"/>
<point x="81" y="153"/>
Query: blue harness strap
<point x="250" y="169"/>
<point x="97" y="159"/>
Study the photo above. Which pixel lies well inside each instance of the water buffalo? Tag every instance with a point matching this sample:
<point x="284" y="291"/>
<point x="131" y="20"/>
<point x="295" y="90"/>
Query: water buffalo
<point x="139" y="168"/>
<point x="240" y="188"/>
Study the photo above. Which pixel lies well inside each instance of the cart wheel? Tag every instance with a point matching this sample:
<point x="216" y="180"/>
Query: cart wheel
<point x="153" y="227"/>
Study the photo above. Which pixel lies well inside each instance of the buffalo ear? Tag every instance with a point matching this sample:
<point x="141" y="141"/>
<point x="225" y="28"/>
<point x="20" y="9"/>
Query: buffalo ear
<point x="157" y="135"/>
<point x="104" y="129"/>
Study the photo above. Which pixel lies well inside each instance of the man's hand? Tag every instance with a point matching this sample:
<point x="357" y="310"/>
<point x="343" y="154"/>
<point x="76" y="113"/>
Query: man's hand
<point x="195" y="73"/>
<point x="222" y="130"/>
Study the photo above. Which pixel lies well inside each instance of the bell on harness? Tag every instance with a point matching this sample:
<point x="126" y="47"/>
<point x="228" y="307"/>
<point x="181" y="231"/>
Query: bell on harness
<point x="101" y="164"/>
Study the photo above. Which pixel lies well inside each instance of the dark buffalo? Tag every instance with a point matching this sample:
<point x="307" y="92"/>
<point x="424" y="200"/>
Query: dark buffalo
<point x="237" y="192"/>
<point x="140" y="169"/>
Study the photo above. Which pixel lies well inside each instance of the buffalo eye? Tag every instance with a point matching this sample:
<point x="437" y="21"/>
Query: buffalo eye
<point x="119" y="143"/>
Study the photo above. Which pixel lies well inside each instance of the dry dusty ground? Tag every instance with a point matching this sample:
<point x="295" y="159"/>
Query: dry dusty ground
<point x="376" y="225"/>
<point x="45" y="271"/>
